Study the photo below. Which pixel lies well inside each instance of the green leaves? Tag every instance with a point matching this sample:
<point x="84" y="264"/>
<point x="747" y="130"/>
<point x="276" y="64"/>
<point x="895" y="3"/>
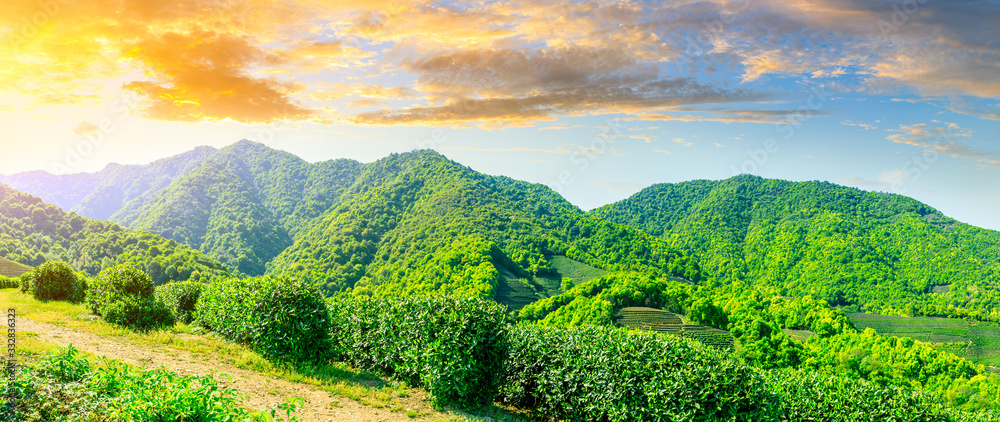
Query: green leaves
<point x="124" y="295"/>
<point x="180" y="298"/>
<point x="453" y="347"/>
<point x="54" y="280"/>
<point x="283" y="319"/>
<point x="609" y="374"/>
<point x="66" y="386"/>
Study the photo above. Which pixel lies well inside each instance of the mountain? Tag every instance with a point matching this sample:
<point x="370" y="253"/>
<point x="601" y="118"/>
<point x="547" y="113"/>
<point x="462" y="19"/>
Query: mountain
<point x="871" y="251"/>
<point x="99" y="195"/>
<point x="410" y="223"/>
<point x="417" y="223"/>
<point x="32" y="232"/>
<point x="243" y="205"/>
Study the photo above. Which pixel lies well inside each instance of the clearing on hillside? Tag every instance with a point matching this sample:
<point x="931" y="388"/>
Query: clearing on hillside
<point x="976" y="341"/>
<point x="517" y="293"/>
<point x="10" y="268"/>
<point x="661" y="321"/>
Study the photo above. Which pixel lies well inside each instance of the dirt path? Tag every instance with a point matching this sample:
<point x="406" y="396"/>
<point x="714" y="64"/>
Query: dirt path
<point x="260" y="392"/>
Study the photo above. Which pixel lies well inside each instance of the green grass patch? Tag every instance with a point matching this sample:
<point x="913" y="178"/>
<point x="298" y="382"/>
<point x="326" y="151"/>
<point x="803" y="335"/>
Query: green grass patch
<point x="10" y="268"/>
<point x="978" y="342"/>
<point x="516" y="293"/>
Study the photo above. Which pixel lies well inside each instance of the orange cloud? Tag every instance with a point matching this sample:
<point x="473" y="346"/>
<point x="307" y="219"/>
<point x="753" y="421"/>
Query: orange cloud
<point x="202" y="76"/>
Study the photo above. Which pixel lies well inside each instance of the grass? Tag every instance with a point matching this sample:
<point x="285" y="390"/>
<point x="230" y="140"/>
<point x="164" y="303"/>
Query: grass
<point x="978" y="342"/>
<point x="10" y="268"/>
<point x="340" y="380"/>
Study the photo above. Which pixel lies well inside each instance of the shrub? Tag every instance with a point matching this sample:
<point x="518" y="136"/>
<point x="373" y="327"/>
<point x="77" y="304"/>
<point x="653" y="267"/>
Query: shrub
<point x="8" y="282"/>
<point x="806" y="395"/>
<point x="452" y="347"/>
<point x="610" y="374"/>
<point x="124" y="295"/>
<point x="141" y="313"/>
<point x="53" y="280"/>
<point x="180" y="298"/>
<point x="282" y="319"/>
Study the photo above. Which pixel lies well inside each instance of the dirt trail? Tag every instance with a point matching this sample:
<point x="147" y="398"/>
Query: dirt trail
<point x="260" y="392"/>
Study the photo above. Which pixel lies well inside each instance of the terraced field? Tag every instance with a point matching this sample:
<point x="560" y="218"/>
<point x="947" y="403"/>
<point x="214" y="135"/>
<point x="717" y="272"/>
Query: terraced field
<point x="977" y="341"/>
<point x="661" y="321"/>
<point x="10" y="268"/>
<point x="516" y="293"/>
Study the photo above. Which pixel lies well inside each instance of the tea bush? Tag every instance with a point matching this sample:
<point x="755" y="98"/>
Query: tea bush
<point x="809" y="396"/>
<point x="124" y="295"/>
<point x="453" y="347"/>
<point x="283" y="319"/>
<point x="180" y="298"/>
<point x="53" y="280"/>
<point x="9" y="282"/>
<point x="610" y="374"/>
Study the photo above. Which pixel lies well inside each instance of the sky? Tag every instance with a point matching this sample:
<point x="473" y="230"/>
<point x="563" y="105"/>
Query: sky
<point x="596" y="99"/>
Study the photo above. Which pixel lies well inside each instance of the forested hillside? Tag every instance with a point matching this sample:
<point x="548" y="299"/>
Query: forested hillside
<point x="32" y="232"/>
<point x="244" y="205"/>
<point x="409" y="223"/>
<point x="872" y="251"/>
<point x="417" y="222"/>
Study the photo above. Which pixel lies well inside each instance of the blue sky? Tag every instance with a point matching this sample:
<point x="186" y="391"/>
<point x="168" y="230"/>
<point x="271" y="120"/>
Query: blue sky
<point x="596" y="99"/>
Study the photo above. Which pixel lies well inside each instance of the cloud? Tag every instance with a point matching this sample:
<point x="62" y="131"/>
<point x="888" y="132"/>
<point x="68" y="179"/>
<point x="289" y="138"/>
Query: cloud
<point x="732" y="116"/>
<point x="864" y="126"/>
<point x="943" y="138"/>
<point x="85" y="128"/>
<point x="489" y="64"/>
<point x="203" y="76"/>
<point x="888" y="181"/>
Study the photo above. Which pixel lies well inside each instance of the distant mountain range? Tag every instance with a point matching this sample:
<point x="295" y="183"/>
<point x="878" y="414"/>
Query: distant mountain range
<point x="418" y="222"/>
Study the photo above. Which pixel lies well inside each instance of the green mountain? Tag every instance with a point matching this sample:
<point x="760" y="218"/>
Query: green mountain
<point x="242" y="206"/>
<point x="32" y="232"/>
<point x="871" y="251"/>
<point x="417" y="223"/>
<point x="408" y="224"/>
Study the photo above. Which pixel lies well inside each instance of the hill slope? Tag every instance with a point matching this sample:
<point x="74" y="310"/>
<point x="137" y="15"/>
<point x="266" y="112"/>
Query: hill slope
<point x="417" y="222"/>
<point x="10" y="268"/>
<point x="32" y="232"/>
<point x="878" y="252"/>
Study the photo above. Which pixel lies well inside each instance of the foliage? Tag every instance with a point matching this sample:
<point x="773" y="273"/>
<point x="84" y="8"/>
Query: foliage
<point x="66" y="386"/>
<point x="124" y="296"/>
<point x="593" y="302"/>
<point x="283" y="319"/>
<point x="9" y="282"/>
<point x="453" y="347"/>
<point x="53" y="280"/>
<point x="610" y="374"/>
<point x="418" y="223"/>
<point x="806" y="395"/>
<point x="33" y="232"/>
<point x="180" y="298"/>
<point x="873" y="252"/>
